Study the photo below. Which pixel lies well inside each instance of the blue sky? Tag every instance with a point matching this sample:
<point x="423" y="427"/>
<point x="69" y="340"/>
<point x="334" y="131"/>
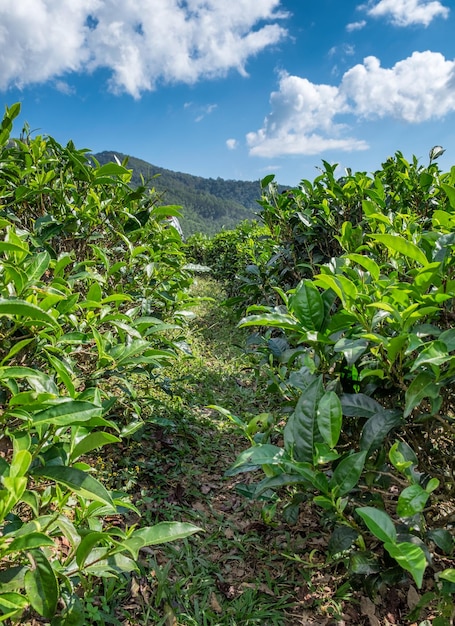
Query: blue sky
<point x="236" y="88"/>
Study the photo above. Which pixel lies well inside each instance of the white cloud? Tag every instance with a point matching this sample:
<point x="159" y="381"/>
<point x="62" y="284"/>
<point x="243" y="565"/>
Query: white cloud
<point x="302" y="121"/>
<point x="414" y="90"/>
<point x="64" y="88"/>
<point x="408" y="12"/>
<point x="204" y="111"/>
<point x="140" y="42"/>
<point x="232" y="144"/>
<point x="272" y="168"/>
<point x="343" y="50"/>
<point x="355" y="26"/>
<point x="305" y="117"/>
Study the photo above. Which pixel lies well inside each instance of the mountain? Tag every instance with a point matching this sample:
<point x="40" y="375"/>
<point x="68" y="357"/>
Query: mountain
<point x="208" y="204"/>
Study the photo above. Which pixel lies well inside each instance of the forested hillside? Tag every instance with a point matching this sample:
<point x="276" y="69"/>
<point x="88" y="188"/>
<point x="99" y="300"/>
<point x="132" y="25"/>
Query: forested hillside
<point x="208" y="204"/>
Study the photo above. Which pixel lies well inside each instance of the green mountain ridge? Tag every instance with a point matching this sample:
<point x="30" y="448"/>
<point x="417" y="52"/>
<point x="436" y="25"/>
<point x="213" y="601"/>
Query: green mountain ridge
<point x="208" y="204"/>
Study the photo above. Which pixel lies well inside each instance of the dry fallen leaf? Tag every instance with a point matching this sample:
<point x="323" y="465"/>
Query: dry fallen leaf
<point x="262" y="587"/>
<point x="368" y="608"/>
<point x="413" y="597"/>
<point x="229" y="533"/>
<point x="169" y="616"/>
<point x="134" y="588"/>
<point x="215" y="605"/>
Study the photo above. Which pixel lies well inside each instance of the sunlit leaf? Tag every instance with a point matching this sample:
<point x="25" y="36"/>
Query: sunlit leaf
<point x="76" y="480"/>
<point x="91" y="442"/>
<point x="11" y="603"/>
<point x="412" y="500"/>
<point x="67" y="413"/>
<point x="399" y="244"/>
<point x="410" y="557"/>
<point x="21" y="309"/>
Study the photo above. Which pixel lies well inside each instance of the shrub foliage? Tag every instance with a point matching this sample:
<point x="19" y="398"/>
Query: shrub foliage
<point x="89" y="280"/>
<point x="361" y="349"/>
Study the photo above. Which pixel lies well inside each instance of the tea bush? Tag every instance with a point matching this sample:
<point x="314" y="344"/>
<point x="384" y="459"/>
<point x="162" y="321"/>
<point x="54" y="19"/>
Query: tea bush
<point x="90" y="278"/>
<point x="235" y="257"/>
<point x="362" y="353"/>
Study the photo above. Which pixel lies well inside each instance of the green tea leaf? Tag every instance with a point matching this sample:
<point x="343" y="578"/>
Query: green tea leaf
<point x="450" y="191"/>
<point x="73" y="613"/>
<point x="352" y="349"/>
<point x="410" y="557"/>
<point x="62" y="373"/>
<point x="359" y="405"/>
<point x="329" y="418"/>
<point x="20" y="308"/>
<point x="434" y="354"/>
<point x="278" y="320"/>
<point x="412" y="500"/>
<point x="366" y="262"/>
<point x="301" y="430"/>
<point x="6" y="246"/>
<point x="87" y="543"/>
<point x="347" y="473"/>
<point x="109" y="169"/>
<point x="76" y="480"/>
<point x="40" y="263"/>
<point x="307" y="305"/>
<point x="342" y="286"/>
<point x="448" y="338"/>
<point x="20" y="463"/>
<point x="423" y="386"/>
<point x="341" y="540"/>
<point x="377" y="428"/>
<point x="443" y="539"/>
<point x="164" y="532"/>
<point x="41" y="585"/>
<point x="91" y="442"/>
<point x="378" y="523"/>
<point x="399" y="244"/>
<point x="17" y="347"/>
<point x="29" y="542"/>
<point x="67" y="413"/>
<point x="448" y="574"/>
<point x="265" y="454"/>
<point x="11" y="603"/>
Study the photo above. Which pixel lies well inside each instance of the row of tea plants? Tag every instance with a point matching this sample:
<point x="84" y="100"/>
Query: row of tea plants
<point x="360" y="346"/>
<point x="90" y="280"/>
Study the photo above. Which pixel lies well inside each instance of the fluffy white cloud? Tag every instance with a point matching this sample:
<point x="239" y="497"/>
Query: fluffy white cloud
<point x="41" y="39"/>
<point x="232" y="144"/>
<point x="408" y="12"/>
<point x="352" y="26"/>
<point x="303" y="118"/>
<point x="139" y="41"/>
<point x="302" y="121"/>
<point x="414" y="90"/>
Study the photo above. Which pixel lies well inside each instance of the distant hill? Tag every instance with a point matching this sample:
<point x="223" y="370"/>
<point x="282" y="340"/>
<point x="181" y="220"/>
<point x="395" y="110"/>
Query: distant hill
<point x="208" y="204"/>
